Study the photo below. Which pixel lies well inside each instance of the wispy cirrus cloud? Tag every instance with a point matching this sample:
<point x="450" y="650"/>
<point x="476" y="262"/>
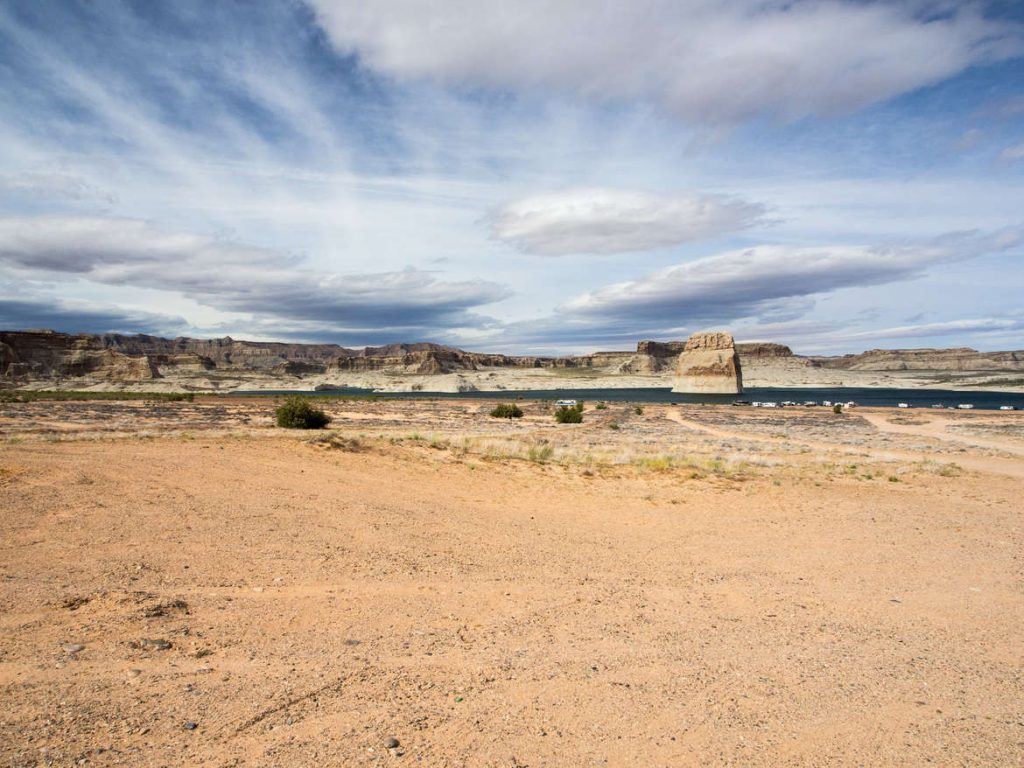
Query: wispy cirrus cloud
<point x="702" y="60"/>
<point x="1013" y="152"/>
<point x="606" y="220"/>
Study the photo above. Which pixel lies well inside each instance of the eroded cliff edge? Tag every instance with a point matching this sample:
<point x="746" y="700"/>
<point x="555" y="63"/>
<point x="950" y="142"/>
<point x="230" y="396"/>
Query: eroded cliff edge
<point x="51" y="360"/>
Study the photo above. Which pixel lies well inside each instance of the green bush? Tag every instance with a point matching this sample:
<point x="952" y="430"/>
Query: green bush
<point x="601" y="406"/>
<point x="639" y="411"/>
<point x="837" y="408"/>
<point x="298" y="413"/>
<point x="507" y="411"/>
<point x="569" y="415"/>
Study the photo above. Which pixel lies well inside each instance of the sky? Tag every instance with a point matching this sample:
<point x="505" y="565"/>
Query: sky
<point x="543" y="177"/>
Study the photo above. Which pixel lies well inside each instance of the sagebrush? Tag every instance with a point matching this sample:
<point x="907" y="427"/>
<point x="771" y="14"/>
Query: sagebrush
<point x="298" y="413"/>
<point x="507" y="411"/>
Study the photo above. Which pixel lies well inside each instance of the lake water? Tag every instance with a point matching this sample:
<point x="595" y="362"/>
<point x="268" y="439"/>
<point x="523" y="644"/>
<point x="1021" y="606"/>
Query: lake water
<point x="917" y="398"/>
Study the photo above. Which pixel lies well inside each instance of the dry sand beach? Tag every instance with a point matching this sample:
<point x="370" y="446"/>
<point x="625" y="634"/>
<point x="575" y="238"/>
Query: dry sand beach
<point x="185" y="584"/>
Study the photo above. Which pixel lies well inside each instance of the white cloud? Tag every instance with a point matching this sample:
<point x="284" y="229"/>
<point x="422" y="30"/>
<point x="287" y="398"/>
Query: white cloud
<point x="599" y="220"/>
<point x="703" y="60"/>
<point x="237" y="278"/>
<point x="773" y="281"/>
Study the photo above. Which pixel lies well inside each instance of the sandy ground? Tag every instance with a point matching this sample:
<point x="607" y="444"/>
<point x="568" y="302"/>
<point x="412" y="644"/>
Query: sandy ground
<point x="184" y="584"/>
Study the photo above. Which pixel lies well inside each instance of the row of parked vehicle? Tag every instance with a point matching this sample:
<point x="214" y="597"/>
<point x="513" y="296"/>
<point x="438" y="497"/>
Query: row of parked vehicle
<point x="852" y="404"/>
<point x="792" y="403"/>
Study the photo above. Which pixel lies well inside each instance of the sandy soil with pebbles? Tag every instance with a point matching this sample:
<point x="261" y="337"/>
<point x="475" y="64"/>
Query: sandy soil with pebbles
<point x="184" y="584"/>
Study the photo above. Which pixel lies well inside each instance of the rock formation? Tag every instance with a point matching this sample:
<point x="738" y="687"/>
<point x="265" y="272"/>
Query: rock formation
<point x="933" y="360"/>
<point x="706" y="363"/>
<point x="709" y="364"/>
<point x="45" y="355"/>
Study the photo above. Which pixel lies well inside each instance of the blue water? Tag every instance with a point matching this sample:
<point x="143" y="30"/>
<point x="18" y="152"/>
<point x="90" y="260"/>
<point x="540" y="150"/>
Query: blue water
<point x="916" y="398"/>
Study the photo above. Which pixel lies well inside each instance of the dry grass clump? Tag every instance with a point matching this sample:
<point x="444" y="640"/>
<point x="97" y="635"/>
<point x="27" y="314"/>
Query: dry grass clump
<point x="338" y="442"/>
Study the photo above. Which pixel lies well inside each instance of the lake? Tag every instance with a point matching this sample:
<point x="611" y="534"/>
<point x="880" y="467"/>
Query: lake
<point x="917" y="398"/>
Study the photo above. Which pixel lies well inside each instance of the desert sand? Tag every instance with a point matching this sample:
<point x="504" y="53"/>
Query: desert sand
<point x="420" y="584"/>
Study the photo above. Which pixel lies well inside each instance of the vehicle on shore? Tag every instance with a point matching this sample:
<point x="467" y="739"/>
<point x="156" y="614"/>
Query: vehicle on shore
<point x="902" y="405"/>
<point x="1007" y="408"/>
<point x="965" y="406"/>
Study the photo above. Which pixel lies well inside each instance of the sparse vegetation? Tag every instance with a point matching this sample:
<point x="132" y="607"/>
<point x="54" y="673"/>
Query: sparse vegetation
<point x="601" y="406"/>
<point x="639" y="410"/>
<point x="540" y="453"/>
<point x="338" y="442"/>
<point x="29" y="396"/>
<point x="298" y="413"/>
<point x="507" y="411"/>
<point x="570" y="414"/>
<point x="837" y="408"/>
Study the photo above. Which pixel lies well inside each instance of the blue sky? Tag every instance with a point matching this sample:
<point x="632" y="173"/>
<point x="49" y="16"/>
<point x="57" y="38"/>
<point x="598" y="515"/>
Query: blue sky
<point x="543" y="177"/>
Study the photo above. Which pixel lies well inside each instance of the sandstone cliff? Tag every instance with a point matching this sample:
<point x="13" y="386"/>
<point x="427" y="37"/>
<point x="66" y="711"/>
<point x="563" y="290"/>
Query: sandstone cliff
<point x="45" y="359"/>
<point x="959" y="359"/>
<point x="45" y="355"/>
<point x="709" y="364"/>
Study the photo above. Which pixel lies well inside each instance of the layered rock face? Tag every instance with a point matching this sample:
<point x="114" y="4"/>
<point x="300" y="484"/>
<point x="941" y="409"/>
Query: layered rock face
<point x="762" y="350"/>
<point x="709" y="364"/>
<point x="41" y="355"/>
<point x="953" y="360"/>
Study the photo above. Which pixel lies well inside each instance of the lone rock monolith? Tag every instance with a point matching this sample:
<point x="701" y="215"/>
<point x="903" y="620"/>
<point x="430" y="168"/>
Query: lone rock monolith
<point x="709" y="364"/>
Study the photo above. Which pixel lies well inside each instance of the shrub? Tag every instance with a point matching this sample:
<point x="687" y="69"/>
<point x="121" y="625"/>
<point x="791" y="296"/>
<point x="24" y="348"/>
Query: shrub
<point x="298" y="413"/>
<point x="507" y="411"/>
<point x="601" y="407"/>
<point x="540" y="453"/>
<point x="567" y="415"/>
<point x="639" y="411"/>
<point x="613" y="425"/>
<point x="837" y="408"/>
